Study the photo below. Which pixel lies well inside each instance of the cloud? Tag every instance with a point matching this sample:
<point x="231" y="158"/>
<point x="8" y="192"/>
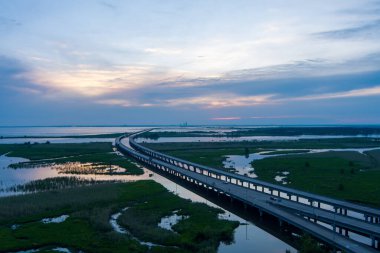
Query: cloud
<point x="366" y="92"/>
<point x="11" y="72"/>
<point x="163" y="51"/>
<point x="307" y="68"/>
<point x="368" y="30"/>
<point x="8" y="22"/>
<point x="93" y="82"/>
<point x="279" y="117"/>
<point x="220" y="101"/>
<point x="226" y="118"/>
<point x="108" y="5"/>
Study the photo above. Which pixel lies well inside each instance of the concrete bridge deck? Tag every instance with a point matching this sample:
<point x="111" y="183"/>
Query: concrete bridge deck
<point x="287" y="210"/>
<point x="366" y="213"/>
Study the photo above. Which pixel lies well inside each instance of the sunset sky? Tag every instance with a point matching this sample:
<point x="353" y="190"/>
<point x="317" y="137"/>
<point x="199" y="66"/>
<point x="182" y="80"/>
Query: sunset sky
<point x="82" y="62"/>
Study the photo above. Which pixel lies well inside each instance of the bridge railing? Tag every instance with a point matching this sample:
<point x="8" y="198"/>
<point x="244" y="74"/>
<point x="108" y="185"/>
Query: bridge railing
<point x="343" y="207"/>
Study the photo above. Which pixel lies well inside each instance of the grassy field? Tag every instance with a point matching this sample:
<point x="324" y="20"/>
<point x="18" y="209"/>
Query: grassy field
<point x="99" y="154"/>
<point x="89" y="209"/>
<point x="270" y="145"/>
<point x="55" y="183"/>
<point x="346" y="175"/>
<point x="112" y="135"/>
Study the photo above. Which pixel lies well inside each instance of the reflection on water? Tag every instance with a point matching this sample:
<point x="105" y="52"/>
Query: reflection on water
<point x="247" y="138"/>
<point x="54" y="140"/>
<point x="248" y="237"/>
<point x="168" y="222"/>
<point x="12" y="177"/>
<point x="242" y="164"/>
<point x="64" y="131"/>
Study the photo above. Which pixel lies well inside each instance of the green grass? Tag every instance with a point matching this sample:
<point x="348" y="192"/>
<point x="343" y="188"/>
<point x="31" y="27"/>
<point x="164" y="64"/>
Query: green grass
<point x="111" y="135"/>
<point x="48" y="151"/>
<point x="54" y="183"/>
<point x="209" y="157"/>
<point x="286" y="152"/>
<point x="267" y="145"/>
<point x="201" y="232"/>
<point x="97" y="153"/>
<point x="90" y="208"/>
<point x="345" y="175"/>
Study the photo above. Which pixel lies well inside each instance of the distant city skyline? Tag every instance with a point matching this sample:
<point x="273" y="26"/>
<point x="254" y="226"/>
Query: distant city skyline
<point x="204" y="62"/>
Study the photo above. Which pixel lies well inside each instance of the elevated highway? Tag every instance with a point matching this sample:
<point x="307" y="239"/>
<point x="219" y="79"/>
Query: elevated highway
<point x="301" y="209"/>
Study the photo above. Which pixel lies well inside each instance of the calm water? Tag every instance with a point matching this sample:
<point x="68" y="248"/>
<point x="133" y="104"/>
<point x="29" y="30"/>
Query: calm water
<point x="243" y="164"/>
<point x="247" y="237"/>
<point x="248" y="138"/>
<point x="64" y="131"/>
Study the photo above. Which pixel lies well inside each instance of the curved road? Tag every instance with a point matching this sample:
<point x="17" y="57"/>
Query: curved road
<point x="286" y="210"/>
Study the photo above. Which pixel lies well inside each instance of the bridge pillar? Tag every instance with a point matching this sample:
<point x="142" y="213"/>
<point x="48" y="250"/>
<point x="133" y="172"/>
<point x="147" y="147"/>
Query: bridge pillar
<point x="373" y="241"/>
<point x="281" y="222"/>
<point x="261" y="212"/>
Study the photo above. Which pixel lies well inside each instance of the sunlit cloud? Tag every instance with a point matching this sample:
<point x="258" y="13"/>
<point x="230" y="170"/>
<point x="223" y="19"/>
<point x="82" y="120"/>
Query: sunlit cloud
<point x="280" y="117"/>
<point x="164" y="51"/>
<point x="220" y="101"/>
<point x="133" y="57"/>
<point x="91" y="82"/>
<point x="366" y="92"/>
<point x="226" y="118"/>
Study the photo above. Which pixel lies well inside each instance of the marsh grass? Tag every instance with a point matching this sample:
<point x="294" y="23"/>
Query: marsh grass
<point x="268" y="145"/>
<point x="91" y="158"/>
<point x="48" y="151"/>
<point x="201" y="230"/>
<point x="89" y="209"/>
<point x="56" y="183"/>
<point x="345" y="174"/>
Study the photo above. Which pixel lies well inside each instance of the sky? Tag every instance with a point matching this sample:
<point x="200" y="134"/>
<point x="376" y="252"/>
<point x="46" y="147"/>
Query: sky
<point x="82" y="62"/>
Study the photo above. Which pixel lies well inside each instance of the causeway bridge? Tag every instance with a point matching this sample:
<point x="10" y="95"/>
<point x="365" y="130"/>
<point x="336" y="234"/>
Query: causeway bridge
<point x="344" y="225"/>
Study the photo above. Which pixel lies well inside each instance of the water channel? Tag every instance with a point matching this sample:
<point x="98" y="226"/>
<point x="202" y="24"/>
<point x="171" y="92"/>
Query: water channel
<point x="248" y="237"/>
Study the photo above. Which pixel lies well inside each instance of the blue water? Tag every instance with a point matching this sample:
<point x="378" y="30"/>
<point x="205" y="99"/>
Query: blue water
<point x="63" y="131"/>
